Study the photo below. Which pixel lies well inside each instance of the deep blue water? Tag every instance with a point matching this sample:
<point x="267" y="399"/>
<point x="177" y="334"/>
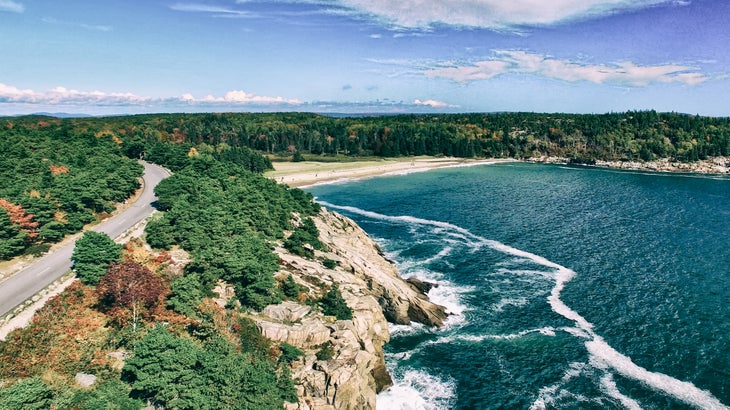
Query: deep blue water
<point x="569" y="287"/>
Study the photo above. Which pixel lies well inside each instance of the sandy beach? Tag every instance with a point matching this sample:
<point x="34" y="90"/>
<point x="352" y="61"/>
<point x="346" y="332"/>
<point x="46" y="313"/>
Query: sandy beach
<point x="301" y="174"/>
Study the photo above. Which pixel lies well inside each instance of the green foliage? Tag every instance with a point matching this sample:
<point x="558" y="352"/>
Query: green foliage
<point x="178" y="373"/>
<point x="226" y="216"/>
<point x="12" y="239"/>
<point x="251" y="339"/>
<point x="325" y="352"/>
<point x="289" y="353"/>
<point x="329" y="263"/>
<point x="186" y="293"/>
<point x="304" y="239"/>
<point x="297" y="157"/>
<point x="27" y="394"/>
<point x="333" y="304"/>
<point x="290" y="288"/>
<point x="61" y="176"/>
<point x="92" y="255"/>
<point x="110" y="395"/>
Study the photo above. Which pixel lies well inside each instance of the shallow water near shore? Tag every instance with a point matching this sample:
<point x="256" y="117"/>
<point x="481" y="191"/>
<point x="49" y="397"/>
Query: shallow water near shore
<point x="570" y="287"/>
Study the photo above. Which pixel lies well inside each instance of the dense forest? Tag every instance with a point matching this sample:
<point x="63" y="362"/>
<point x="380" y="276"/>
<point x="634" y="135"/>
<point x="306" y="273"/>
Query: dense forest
<point x="53" y="183"/>
<point x="643" y="135"/>
<point x="147" y="329"/>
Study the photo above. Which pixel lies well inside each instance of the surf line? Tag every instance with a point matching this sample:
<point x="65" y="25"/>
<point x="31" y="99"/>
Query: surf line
<point x="604" y="355"/>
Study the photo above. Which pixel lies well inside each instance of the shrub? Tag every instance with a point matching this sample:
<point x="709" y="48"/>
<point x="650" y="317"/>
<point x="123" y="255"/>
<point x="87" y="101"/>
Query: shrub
<point x="334" y="304"/>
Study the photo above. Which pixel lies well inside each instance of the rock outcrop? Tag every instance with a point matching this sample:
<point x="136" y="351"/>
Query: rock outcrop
<point x="370" y="285"/>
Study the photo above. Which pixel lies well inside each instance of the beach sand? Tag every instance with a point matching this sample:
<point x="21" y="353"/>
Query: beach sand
<point x="301" y="174"/>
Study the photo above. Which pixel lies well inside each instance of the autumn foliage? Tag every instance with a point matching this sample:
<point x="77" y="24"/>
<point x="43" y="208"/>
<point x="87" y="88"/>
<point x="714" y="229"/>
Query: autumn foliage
<point x="20" y="218"/>
<point x="130" y="289"/>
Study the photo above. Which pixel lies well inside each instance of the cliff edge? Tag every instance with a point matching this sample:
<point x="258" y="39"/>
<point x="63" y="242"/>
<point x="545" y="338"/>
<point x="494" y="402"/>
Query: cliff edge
<point x="351" y="371"/>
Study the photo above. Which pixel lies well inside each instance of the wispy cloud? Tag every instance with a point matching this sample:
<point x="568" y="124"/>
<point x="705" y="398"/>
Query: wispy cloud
<point x="12" y="6"/>
<point x="94" y="27"/>
<point x="215" y="10"/>
<point x="521" y="62"/>
<point x="494" y="14"/>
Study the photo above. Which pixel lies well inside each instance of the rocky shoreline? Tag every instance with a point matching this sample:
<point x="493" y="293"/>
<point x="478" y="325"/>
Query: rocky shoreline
<point x="372" y="288"/>
<point x="715" y="165"/>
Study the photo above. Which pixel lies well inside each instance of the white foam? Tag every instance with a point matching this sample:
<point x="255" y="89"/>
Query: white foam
<point x="605" y="356"/>
<point x="405" y="330"/>
<point x="499" y="306"/>
<point x="418" y="390"/>
<point x="608" y="386"/>
<point x="602" y="354"/>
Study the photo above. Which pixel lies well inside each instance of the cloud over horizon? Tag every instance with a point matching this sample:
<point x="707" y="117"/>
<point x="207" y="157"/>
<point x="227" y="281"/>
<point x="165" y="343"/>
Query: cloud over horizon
<point x="521" y="62"/>
<point x="28" y="101"/>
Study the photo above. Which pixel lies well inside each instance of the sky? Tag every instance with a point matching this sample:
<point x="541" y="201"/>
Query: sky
<point x="107" y="57"/>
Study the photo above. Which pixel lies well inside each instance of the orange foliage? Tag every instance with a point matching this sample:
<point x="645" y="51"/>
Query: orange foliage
<point x="17" y="216"/>
<point x="58" y="169"/>
<point x="63" y="336"/>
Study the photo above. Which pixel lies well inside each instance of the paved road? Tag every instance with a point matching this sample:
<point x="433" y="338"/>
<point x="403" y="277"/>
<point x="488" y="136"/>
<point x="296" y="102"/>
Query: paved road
<point x="34" y="278"/>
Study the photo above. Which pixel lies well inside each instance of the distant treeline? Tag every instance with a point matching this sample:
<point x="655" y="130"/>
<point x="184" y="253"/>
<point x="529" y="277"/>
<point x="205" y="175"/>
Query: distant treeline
<point x="633" y="135"/>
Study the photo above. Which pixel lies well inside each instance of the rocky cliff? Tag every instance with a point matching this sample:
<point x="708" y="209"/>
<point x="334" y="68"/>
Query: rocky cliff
<point x="370" y="285"/>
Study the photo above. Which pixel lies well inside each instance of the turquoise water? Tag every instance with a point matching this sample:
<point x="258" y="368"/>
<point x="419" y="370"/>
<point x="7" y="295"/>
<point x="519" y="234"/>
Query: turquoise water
<point x="568" y="287"/>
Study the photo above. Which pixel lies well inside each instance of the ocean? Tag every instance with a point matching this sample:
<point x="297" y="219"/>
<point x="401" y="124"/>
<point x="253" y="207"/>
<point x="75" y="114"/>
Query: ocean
<point x="568" y="287"/>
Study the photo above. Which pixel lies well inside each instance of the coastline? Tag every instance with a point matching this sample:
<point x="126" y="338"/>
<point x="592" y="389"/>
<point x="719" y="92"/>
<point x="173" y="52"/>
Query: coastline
<point x="710" y="166"/>
<point x="308" y="173"/>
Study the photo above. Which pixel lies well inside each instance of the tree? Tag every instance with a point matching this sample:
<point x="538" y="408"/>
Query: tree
<point x="131" y="286"/>
<point x="26" y="394"/>
<point x="165" y="369"/>
<point x="92" y="255"/>
<point x="334" y="304"/>
<point x="12" y="239"/>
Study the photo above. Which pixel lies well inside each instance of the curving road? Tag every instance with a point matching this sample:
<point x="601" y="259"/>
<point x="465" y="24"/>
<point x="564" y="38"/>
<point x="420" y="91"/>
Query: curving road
<point x="34" y="278"/>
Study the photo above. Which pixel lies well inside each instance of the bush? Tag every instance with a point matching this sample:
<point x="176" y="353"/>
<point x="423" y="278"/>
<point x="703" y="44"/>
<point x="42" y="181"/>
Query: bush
<point x="289" y="353"/>
<point x="333" y="304"/>
<point x="325" y="352"/>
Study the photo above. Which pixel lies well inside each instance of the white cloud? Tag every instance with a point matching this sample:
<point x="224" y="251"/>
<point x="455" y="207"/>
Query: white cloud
<point x="520" y="62"/>
<point x="496" y="14"/>
<point x="64" y="96"/>
<point x="12" y="6"/>
<point x="240" y="97"/>
<point x="431" y="103"/>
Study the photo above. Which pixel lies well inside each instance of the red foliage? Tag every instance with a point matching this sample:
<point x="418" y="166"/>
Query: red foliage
<point x="129" y="285"/>
<point x="17" y="216"/>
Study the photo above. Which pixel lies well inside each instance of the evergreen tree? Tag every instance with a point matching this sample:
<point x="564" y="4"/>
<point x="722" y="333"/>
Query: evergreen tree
<point x="92" y="255"/>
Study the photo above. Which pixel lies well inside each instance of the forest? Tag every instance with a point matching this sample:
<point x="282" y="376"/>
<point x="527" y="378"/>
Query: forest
<point x="147" y="328"/>
<point x="634" y="135"/>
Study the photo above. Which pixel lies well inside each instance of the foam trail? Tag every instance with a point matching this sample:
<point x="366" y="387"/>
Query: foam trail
<point x="608" y="385"/>
<point x="602" y="354"/>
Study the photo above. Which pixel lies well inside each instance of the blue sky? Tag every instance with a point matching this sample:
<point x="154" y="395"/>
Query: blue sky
<point x="351" y="56"/>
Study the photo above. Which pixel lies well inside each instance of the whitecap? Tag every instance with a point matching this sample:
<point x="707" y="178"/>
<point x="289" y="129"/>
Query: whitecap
<point x="418" y="390"/>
